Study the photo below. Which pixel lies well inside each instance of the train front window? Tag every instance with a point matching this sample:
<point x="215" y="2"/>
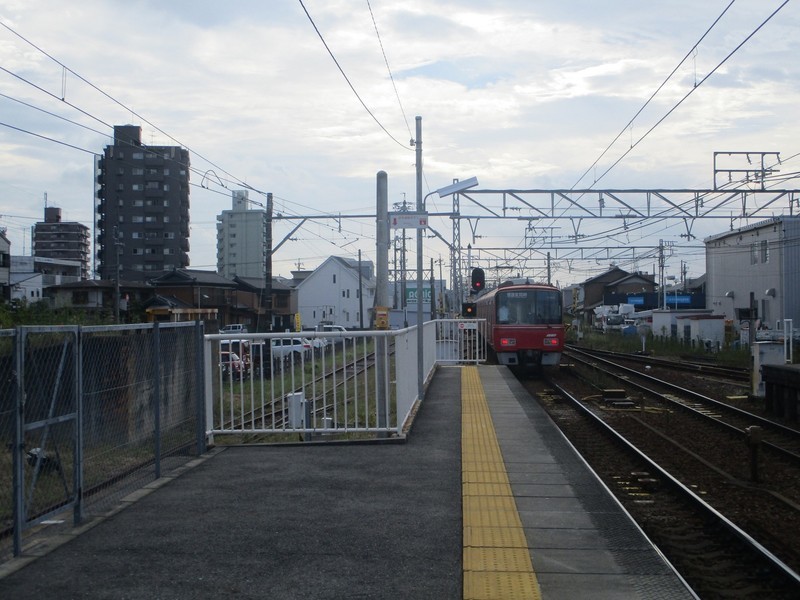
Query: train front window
<point x="529" y="307"/>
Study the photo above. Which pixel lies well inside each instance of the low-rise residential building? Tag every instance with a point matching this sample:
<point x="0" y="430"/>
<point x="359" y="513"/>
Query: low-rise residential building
<point x="335" y="293"/>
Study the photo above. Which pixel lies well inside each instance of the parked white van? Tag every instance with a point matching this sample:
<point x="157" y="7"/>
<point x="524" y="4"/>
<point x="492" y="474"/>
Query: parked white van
<point x="234" y="328"/>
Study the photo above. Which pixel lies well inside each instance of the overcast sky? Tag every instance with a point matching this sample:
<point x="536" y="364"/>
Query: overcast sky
<point x="521" y="94"/>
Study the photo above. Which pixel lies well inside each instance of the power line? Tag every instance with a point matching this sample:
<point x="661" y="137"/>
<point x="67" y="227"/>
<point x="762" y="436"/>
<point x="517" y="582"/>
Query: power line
<point x="115" y="101"/>
<point x="49" y="139"/>
<point x="347" y="79"/>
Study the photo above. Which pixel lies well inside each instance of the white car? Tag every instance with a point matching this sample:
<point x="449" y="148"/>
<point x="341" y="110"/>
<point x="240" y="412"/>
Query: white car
<point x="295" y="348"/>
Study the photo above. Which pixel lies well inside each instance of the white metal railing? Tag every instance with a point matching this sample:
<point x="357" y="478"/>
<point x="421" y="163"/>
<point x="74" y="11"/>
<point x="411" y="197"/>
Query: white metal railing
<point x="325" y="383"/>
<point x="460" y="341"/>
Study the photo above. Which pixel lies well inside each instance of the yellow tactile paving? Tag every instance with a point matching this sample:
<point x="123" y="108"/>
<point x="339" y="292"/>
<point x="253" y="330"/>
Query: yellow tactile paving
<point x="497" y="563"/>
<point x="494" y="537"/>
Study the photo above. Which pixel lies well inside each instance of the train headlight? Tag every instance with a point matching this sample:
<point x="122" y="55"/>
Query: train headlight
<point x="508" y="342"/>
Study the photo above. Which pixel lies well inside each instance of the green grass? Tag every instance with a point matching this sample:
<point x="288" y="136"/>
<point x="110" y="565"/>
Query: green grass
<point x="662" y="347"/>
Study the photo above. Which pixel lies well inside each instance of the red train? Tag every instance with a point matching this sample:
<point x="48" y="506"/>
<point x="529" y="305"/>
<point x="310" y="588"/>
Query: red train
<point x="524" y="323"/>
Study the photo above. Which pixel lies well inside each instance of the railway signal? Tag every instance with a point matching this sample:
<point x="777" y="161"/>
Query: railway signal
<point x="478" y="280"/>
<point x="468" y="310"/>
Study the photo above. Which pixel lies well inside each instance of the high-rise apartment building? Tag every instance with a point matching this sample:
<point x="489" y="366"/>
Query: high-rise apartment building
<point x="142" y="208"/>
<point x="242" y="240"/>
<point x="63" y="241"/>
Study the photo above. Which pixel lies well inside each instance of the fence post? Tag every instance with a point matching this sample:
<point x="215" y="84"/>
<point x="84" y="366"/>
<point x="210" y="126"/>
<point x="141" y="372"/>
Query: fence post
<point x="157" y="396"/>
<point x="19" y="441"/>
<point x="200" y="378"/>
<point x="77" y="477"/>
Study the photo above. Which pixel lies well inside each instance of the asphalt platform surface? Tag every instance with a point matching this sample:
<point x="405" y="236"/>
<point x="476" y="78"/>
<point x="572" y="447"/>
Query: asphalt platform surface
<point x="308" y="521"/>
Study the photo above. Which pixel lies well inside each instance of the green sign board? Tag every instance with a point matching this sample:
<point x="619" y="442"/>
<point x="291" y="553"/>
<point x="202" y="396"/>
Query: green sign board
<point x="411" y="295"/>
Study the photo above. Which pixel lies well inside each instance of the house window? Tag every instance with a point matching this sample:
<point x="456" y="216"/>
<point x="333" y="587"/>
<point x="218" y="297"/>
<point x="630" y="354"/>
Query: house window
<point x="137" y="171"/>
<point x="138" y="155"/>
<point x="334" y="278"/>
<point x="136" y="187"/>
<point x="348" y="293"/>
<point x="138" y="218"/>
<point x="343" y="294"/>
<point x="764" y="251"/>
<point x="79" y="298"/>
<point x="753" y="254"/>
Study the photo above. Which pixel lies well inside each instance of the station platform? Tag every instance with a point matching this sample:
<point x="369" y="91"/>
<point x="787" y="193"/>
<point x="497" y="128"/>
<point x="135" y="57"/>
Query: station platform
<point x="484" y="499"/>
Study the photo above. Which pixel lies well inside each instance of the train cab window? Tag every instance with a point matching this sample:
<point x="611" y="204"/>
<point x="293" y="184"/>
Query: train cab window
<point x="529" y="307"/>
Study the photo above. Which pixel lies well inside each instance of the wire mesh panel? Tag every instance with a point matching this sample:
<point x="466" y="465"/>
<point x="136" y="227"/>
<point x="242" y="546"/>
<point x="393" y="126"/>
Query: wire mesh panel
<point x="139" y="408"/>
<point x="102" y="410"/>
<point x="8" y="384"/>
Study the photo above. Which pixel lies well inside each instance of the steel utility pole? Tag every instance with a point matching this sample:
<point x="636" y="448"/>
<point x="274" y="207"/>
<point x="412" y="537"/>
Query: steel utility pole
<point x="420" y="209"/>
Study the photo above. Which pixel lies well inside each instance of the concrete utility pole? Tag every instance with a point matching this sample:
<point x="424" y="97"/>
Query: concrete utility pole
<point x="382" y="290"/>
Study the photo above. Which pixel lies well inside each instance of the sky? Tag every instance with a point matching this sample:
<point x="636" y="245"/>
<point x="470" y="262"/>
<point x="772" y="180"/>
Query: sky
<point x="520" y="94"/>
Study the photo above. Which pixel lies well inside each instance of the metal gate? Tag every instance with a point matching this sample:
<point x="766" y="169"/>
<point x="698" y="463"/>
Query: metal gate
<point x="47" y="432"/>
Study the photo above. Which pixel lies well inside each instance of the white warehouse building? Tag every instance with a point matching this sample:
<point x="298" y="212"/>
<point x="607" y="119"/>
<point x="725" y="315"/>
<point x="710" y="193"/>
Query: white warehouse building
<point x="762" y="259"/>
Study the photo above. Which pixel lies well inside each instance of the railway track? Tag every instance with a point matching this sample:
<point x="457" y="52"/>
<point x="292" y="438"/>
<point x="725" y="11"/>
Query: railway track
<point x="690" y="366"/>
<point x="718" y="556"/>
<point x="778" y="438"/>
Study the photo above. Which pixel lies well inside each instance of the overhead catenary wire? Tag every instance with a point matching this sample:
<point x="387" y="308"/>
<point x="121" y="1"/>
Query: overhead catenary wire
<point x="692" y="90"/>
<point x="388" y="68"/>
<point x="654" y="94"/>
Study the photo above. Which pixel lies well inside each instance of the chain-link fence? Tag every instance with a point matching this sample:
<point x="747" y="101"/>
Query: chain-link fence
<point x="89" y="414"/>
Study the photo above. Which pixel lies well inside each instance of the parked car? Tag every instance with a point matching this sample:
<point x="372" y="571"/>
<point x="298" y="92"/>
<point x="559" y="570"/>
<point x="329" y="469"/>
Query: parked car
<point x="335" y="329"/>
<point x="231" y="364"/>
<point x="294" y="348"/>
<point x="234" y="328"/>
<point x="260" y="358"/>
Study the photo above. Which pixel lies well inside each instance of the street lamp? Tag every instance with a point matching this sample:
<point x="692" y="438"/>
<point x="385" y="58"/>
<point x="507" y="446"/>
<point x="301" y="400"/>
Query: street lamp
<point x="448" y="190"/>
